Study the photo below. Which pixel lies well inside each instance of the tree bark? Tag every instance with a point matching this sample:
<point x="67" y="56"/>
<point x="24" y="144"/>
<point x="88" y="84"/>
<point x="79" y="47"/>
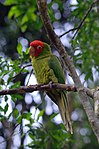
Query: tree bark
<point x="94" y="121"/>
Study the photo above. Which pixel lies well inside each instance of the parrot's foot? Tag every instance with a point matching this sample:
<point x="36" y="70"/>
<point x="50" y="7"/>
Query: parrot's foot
<point x="50" y="84"/>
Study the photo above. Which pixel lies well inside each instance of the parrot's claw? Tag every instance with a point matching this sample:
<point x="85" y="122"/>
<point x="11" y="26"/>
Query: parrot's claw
<point x="50" y="84"/>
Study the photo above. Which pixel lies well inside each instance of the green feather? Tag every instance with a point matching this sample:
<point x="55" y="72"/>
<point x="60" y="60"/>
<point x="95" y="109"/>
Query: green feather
<point x="55" y="65"/>
<point x="48" y="68"/>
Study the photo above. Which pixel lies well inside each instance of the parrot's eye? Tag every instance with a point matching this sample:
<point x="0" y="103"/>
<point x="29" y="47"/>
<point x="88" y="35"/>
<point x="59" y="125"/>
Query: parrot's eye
<point x="39" y="47"/>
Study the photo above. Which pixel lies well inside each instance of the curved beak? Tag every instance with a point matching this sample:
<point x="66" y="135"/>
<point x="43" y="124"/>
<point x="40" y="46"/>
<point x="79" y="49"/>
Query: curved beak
<point x="32" y="51"/>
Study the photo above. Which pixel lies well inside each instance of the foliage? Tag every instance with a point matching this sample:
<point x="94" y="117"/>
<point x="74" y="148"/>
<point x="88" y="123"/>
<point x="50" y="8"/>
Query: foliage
<point x="87" y="39"/>
<point x="25" y="16"/>
<point x="22" y="25"/>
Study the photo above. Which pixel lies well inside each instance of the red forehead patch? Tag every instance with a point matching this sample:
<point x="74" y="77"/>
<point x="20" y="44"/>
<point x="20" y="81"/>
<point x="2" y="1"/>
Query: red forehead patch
<point x="36" y="43"/>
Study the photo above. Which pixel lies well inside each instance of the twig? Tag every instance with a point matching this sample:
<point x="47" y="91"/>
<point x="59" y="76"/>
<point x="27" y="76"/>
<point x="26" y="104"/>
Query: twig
<point x="12" y="135"/>
<point x="29" y="77"/>
<point x="73" y="29"/>
<point x="83" y="19"/>
<point x="42" y="6"/>
<point x="21" y="70"/>
<point x="80" y="24"/>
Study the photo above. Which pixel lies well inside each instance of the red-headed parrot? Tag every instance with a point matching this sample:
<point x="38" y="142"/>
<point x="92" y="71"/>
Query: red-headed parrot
<point x="47" y="68"/>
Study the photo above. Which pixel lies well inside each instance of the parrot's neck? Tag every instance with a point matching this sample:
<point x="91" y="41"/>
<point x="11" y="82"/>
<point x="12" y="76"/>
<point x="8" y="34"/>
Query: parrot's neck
<point x="42" y="56"/>
<point x="46" y="51"/>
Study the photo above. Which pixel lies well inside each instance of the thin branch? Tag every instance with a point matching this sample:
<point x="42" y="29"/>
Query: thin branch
<point x="29" y="77"/>
<point x="94" y="121"/>
<point x="12" y="134"/>
<point x="83" y="19"/>
<point x="81" y="22"/>
<point x="73" y="29"/>
<point x="21" y="70"/>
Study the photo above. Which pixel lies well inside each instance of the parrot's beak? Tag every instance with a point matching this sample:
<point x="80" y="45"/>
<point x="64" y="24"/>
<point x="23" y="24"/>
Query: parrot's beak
<point x="32" y="51"/>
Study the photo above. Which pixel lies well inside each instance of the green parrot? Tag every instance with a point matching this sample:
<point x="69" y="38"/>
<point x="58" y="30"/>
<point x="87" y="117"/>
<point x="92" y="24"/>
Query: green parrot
<point x="47" y="68"/>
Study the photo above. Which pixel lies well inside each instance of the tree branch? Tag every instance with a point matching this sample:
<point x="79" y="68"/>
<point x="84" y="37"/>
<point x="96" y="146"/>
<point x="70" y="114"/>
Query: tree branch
<point x="96" y="101"/>
<point x="94" y="121"/>
<point x="43" y="87"/>
<point x="73" y="29"/>
<point x="81" y="22"/>
<point x="83" y="19"/>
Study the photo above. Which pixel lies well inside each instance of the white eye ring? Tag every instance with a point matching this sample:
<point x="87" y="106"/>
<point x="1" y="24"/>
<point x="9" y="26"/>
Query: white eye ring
<point x="39" y="47"/>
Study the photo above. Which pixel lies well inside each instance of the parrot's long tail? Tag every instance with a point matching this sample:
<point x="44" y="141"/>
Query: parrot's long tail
<point x="63" y="105"/>
<point x="61" y="100"/>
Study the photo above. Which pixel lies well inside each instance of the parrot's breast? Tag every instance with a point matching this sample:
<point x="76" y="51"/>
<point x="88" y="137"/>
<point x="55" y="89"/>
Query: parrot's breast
<point x="43" y="73"/>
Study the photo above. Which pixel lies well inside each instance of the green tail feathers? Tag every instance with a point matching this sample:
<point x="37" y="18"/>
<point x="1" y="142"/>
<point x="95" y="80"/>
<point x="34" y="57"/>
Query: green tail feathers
<point x="63" y="105"/>
<point x="60" y="98"/>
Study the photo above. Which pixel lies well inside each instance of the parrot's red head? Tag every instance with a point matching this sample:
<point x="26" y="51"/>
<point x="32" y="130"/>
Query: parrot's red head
<point x="36" y="47"/>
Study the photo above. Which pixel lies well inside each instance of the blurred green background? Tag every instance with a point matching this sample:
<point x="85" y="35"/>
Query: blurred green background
<point x="32" y="120"/>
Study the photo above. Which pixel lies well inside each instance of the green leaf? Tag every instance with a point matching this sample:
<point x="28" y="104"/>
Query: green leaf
<point x="27" y="51"/>
<point x="19" y="119"/>
<point x="34" y="17"/>
<point x="16" y="113"/>
<point x="19" y="49"/>
<point x="10" y="77"/>
<point x="0" y="87"/>
<point x="27" y="115"/>
<point x="31" y="121"/>
<point x="2" y="81"/>
<point x="15" y="85"/>
<point x="2" y="117"/>
<point x="1" y="109"/>
<point x="31" y="136"/>
<point x="24" y="19"/>
<point x="6" y="108"/>
<point x="23" y="28"/>
<point x="53" y="115"/>
<point x="9" y="2"/>
<point x="6" y="98"/>
<point x="16" y="97"/>
<point x="40" y="114"/>
<point x="9" y="115"/>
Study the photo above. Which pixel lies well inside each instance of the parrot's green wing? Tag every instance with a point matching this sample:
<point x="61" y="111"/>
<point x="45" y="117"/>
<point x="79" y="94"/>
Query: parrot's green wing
<point x="55" y="65"/>
<point x="59" y="97"/>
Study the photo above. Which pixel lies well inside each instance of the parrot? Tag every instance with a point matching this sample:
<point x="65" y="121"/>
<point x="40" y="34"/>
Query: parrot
<point x="47" y="68"/>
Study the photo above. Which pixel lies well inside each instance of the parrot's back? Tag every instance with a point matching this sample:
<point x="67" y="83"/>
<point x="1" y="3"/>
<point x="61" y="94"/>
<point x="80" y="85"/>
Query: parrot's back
<point x="48" y="68"/>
